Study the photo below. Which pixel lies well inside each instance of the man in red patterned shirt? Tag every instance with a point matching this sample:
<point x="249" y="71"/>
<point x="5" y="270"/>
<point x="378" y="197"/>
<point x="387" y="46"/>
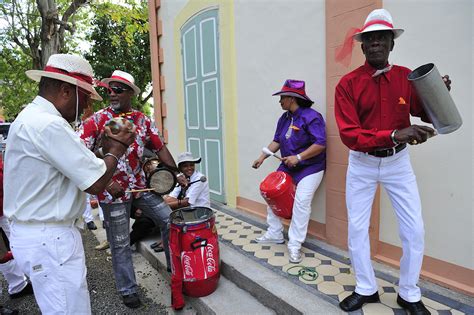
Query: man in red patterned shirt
<point x="373" y="105"/>
<point x="115" y="201"/>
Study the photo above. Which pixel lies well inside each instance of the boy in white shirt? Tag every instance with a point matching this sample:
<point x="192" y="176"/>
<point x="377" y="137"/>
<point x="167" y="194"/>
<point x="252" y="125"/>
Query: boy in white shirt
<point x="197" y="192"/>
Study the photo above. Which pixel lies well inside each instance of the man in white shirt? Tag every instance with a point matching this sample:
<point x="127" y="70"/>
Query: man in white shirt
<point x="47" y="170"/>
<point x="197" y="192"/>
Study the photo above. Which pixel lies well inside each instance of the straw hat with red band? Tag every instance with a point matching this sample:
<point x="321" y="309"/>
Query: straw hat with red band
<point x="125" y="78"/>
<point x="377" y="20"/>
<point x="68" y="68"/>
<point x="294" y="88"/>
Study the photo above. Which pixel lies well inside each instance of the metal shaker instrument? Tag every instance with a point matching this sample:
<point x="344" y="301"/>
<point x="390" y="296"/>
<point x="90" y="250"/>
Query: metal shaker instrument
<point x="435" y="98"/>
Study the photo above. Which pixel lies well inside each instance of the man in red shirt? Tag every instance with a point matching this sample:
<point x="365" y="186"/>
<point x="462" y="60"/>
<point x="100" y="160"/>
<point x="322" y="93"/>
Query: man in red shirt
<point x="373" y="105"/>
<point x="115" y="201"/>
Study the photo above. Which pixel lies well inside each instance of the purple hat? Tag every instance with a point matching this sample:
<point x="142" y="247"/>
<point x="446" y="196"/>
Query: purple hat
<point x="294" y="88"/>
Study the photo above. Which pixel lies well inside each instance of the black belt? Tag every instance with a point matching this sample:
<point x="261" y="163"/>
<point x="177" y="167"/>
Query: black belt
<point x="388" y="152"/>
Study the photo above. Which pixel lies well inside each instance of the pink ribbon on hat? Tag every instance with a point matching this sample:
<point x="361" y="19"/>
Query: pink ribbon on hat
<point x="344" y="53"/>
<point x="80" y="76"/>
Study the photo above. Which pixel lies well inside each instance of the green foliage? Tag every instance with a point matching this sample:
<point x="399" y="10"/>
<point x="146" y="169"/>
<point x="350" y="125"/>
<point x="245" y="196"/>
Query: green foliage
<point x="21" y="45"/>
<point x="118" y="38"/>
<point x="120" y="41"/>
<point x="16" y="89"/>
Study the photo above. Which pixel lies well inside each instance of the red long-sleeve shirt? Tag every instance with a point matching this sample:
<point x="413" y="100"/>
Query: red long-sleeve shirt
<point x="368" y="109"/>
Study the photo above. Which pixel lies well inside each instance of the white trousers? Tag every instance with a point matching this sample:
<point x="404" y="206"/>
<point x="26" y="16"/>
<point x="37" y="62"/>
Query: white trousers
<point x="396" y="175"/>
<point x="16" y="279"/>
<point x="87" y="215"/>
<point x="301" y="212"/>
<point x="53" y="257"/>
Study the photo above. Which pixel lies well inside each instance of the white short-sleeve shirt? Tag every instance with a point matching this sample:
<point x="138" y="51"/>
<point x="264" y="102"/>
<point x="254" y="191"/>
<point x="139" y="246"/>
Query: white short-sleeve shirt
<point x="47" y="167"/>
<point x="197" y="193"/>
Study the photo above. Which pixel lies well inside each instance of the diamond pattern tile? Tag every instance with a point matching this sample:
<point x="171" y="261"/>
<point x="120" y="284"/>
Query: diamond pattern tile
<point x="327" y="275"/>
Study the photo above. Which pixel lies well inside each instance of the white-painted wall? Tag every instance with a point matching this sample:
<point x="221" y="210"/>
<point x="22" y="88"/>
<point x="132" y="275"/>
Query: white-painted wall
<point x="275" y="41"/>
<point x="440" y="32"/>
<point x="167" y="13"/>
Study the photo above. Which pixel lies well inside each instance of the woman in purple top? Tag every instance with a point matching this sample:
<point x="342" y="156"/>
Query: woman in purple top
<point x="301" y="138"/>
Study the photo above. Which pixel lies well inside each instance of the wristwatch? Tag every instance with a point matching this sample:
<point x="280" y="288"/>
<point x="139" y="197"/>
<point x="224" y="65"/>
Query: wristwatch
<point x="298" y="157"/>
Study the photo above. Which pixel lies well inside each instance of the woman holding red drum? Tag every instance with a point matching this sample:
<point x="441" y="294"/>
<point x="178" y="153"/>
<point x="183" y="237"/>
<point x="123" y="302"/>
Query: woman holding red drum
<point x="301" y="138"/>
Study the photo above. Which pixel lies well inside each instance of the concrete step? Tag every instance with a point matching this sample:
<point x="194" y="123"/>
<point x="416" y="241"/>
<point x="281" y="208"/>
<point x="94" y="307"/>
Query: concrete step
<point x="227" y="299"/>
<point x="258" y="278"/>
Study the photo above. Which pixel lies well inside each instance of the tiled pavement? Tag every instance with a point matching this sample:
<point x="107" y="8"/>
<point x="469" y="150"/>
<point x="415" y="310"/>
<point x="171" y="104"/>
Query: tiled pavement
<point x="321" y="270"/>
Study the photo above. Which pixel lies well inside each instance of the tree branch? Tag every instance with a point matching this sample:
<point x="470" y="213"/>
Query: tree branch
<point x="73" y="7"/>
<point x="147" y="97"/>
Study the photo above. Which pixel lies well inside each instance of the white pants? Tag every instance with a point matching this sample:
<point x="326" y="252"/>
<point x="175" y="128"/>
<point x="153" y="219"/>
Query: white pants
<point x="11" y="271"/>
<point x="396" y="175"/>
<point x="53" y="257"/>
<point x="87" y="215"/>
<point x="301" y="211"/>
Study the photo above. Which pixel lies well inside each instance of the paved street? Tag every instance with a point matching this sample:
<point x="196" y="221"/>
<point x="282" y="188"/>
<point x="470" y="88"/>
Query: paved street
<point x="154" y="291"/>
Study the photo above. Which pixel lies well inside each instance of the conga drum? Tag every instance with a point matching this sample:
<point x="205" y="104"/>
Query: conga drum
<point x="194" y="251"/>
<point x="279" y="192"/>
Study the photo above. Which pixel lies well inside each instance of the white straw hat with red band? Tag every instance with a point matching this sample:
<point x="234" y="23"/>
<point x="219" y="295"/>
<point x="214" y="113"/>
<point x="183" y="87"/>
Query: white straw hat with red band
<point x="68" y="68"/>
<point x="123" y="77"/>
<point x="378" y="20"/>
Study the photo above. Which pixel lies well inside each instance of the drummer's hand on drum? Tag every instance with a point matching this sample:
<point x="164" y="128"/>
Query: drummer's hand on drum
<point x="290" y="161"/>
<point x="115" y="190"/>
<point x="447" y="81"/>
<point x="258" y="162"/>
<point x="414" y="134"/>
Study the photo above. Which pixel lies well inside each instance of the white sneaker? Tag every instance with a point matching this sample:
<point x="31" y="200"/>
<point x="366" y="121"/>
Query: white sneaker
<point x="265" y="239"/>
<point x="295" y="256"/>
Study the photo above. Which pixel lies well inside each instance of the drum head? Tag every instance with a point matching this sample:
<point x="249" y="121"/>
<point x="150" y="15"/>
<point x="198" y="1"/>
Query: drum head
<point x="162" y="180"/>
<point x="191" y="215"/>
<point x="150" y="165"/>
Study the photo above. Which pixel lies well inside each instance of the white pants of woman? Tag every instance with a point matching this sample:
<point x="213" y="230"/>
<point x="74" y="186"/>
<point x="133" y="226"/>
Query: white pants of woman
<point x="396" y="175"/>
<point x="301" y="211"/>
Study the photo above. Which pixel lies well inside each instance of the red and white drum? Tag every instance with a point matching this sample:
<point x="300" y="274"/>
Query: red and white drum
<point x="279" y="192"/>
<point x="194" y="250"/>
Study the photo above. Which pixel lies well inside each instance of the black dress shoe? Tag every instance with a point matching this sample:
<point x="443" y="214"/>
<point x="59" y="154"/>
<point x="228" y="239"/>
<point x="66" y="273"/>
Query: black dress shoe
<point x="91" y="225"/>
<point x="7" y="311"/>
<point x="155" y="244"/>
<point x="355" y="301"/>
<point x="26" y="291"/>
<point x="414" y="308"/>
<point x="131" y="300"/>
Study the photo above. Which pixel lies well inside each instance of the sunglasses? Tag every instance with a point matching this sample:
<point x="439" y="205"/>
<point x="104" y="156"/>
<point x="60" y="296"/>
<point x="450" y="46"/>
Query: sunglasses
<point x="116" y="90"/>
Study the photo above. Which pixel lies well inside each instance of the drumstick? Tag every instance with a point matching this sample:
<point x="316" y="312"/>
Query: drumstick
<point x="139" y="190"/>
<point x="268" y="152"/>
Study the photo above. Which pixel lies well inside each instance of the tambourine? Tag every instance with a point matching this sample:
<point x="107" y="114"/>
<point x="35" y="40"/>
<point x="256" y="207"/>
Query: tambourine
<point x="162" y="181"/>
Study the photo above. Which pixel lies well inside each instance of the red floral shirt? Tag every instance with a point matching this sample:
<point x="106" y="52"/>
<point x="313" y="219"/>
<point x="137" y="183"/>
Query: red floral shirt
<point x="129" y="173"/>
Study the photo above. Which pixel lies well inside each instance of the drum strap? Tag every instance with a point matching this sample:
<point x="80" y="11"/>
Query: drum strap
<point x="182" y="193"/>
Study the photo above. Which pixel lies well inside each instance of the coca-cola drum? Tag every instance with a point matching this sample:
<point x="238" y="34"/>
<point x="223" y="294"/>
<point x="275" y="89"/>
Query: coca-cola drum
<point x="194" y="251"/>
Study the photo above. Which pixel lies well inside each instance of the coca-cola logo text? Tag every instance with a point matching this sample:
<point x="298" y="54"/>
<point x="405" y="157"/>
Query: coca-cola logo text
<point x="210" y="261"/>
<point x="188" y="270"/>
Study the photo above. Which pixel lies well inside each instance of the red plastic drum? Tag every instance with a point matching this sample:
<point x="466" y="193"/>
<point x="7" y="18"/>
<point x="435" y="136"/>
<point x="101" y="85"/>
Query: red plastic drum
<point x="279" y="191"/>
<point x="194" y="251"/>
